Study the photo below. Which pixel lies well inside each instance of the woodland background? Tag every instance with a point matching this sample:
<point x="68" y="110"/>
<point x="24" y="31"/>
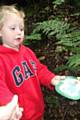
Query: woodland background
<point x="52" y="30"/>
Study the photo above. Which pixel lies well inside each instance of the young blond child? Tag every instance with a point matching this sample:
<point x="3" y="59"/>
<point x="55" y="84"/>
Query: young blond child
<point x="21" y="72"/>
<point x="11" y="111"/>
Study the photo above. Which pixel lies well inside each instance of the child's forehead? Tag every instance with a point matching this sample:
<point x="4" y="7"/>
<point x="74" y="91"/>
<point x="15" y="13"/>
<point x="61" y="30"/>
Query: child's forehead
<point x="12" y="17"/>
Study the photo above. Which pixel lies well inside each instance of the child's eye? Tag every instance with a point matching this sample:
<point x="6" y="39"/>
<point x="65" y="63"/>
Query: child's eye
<point x="22" y="29"/>
<point x="13" y="28"/>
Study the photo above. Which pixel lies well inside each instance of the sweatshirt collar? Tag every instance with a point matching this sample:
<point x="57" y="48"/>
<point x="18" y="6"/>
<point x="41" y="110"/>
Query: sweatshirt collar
<point x="4" y="50"/>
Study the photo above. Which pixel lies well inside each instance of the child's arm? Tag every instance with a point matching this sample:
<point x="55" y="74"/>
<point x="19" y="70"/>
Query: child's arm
<point x="44" y="75"/>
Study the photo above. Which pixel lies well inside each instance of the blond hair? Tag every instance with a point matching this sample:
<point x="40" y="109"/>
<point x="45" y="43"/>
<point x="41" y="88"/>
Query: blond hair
<point x="6" y="9"/>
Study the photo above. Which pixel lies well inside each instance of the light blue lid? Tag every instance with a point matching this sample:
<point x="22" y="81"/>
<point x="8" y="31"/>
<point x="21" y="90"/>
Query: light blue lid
<point x="69" y="88"/>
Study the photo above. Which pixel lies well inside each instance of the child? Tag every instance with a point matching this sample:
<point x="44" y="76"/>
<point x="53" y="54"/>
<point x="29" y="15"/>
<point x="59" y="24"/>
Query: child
<point x="11" y="110"/>
<point x="21" y="72"/>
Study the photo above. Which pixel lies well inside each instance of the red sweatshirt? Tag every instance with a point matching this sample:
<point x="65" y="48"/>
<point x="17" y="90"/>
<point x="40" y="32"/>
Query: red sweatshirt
<point x="21" y="73"/>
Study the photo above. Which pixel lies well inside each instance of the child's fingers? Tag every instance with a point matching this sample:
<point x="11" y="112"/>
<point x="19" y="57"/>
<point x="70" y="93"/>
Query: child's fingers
<point x="59" y="77"/>
<point x="13" y="109"/>
<point x="12" y="105"/>
<point x="62" y="77"/>
<point x="17" y="113"/>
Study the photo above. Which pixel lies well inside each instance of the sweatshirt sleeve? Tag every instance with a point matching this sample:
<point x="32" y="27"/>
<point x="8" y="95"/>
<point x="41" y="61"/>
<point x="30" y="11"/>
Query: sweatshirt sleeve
<point x="43" y="73"/>
<point x="5" y="93"/>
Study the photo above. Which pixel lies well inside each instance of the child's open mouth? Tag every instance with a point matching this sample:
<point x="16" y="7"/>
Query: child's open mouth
<point x="18" y="39"/>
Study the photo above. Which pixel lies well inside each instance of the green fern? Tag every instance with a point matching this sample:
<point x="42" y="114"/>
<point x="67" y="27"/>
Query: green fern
<point x="57" y="3"/>
<point x="32" y="37"/>
<point x="52" y="27"/>
<point x="74" y="61"/>
<point x="67" y="37"/>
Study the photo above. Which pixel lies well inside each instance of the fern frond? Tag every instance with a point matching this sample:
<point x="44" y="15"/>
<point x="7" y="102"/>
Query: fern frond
<point x="74" y="61"/>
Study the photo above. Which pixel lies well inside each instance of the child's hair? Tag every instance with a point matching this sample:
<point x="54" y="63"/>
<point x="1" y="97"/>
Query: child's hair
<point x="6" y="9"/>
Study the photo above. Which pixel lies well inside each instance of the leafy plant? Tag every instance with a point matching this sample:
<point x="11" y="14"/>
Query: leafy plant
<point x="32" y="38"/>
<point x="52" y="27"/>
<point x="67" y="36"/>
<point x="57" y="3"/>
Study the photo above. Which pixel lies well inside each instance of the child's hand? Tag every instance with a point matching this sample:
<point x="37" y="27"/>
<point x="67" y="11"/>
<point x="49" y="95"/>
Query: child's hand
<point x="16" y="111"/>
<point x="57" y="79"/>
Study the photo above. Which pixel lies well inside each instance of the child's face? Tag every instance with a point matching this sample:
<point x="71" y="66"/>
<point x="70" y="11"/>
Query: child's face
<point x="12" y="32"/>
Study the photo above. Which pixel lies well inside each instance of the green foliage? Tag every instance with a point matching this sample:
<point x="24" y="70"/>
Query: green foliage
<point x="75" y="3"/>
<point x="74" y="61"/>
<point x="71" y="41"/>
<point x="32" y="38"/>
<point x="66" y="35"/>
<point x="57" y="3"/>
<point x="52" y="27"/>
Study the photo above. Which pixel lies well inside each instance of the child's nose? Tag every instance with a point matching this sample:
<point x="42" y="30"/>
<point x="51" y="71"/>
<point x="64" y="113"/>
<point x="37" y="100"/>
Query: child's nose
<point x="18" y="31"/>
